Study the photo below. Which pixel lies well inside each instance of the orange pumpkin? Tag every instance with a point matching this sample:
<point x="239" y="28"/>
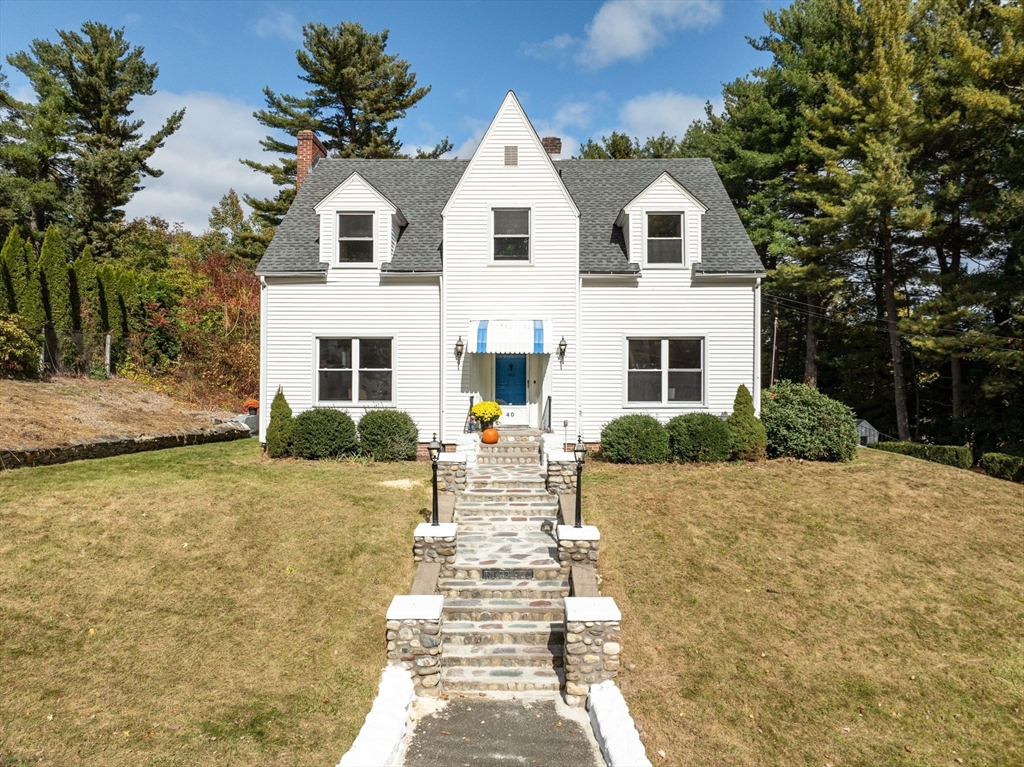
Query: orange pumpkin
<point x="489" y="436"/>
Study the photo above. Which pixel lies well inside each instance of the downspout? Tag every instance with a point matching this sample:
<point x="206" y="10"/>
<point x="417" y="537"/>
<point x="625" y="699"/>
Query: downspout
<point x="757" y="347"/>
<point x="443" y="326"/>
<point x="264" y="400"/>
<point x="579" y="338"/>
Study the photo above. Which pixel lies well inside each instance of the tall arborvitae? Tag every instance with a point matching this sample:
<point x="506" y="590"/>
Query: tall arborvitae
<point x="13" y="248"/>
<point x="55" y="281"/>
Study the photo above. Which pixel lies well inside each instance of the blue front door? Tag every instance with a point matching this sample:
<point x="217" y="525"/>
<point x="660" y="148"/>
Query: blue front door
<point x="510" y="379"/>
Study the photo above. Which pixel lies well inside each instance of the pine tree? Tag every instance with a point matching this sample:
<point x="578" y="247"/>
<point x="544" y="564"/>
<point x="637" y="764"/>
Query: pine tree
<point x="749" y="440"/>
<point x="356" y="93"/>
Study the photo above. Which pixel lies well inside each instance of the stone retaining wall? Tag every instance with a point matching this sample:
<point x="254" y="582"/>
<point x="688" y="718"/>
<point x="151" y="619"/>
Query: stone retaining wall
<point x="591" y="645"/>
<point x="576" y="553"/>
<point x="415" y="645"/>
<point x="451" y="476"/>
<point x="562" y="476"/>
<point x="435" y="544"/>
<point x="107" y="446"/>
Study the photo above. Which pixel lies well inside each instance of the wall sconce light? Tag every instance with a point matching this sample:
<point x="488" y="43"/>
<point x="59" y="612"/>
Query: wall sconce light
<point x="460" y="349"/>
<point x="562" y="346"/>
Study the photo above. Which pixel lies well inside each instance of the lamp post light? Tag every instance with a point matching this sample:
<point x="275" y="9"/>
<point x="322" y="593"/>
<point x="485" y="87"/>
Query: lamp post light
<point x="460" y="349"/>
<point x="562" y="346"/>
<point x="580" y="453"/>
<point x="434" y="448"/>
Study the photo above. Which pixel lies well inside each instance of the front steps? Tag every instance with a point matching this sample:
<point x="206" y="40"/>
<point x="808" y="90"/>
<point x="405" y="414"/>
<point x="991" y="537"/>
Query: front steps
<point x="503" y="612"/>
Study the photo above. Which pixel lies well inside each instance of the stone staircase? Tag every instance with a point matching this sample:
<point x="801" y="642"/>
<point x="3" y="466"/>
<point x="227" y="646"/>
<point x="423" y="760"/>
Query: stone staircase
<point x="503" y="611"/>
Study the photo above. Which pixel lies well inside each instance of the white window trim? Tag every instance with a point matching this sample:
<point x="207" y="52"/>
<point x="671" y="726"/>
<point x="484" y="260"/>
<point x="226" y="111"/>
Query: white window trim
<point x="665" y="404"/>
<point x="682" y="230"/>
<point x="336" y="258"/>
<point x="355" y="402"/>
<point x="490" y="235"/>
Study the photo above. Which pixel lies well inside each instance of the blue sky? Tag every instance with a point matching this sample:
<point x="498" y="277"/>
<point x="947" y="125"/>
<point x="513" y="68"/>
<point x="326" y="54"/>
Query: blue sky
<point x="581" y="70"/>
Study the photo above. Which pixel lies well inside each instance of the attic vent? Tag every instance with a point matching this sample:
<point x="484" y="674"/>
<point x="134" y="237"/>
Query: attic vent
<point x="511" y="155"/>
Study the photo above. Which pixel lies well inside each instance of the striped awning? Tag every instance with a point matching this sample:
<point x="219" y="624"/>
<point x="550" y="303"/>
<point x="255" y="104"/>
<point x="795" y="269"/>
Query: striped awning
<point x="510" y="337"/>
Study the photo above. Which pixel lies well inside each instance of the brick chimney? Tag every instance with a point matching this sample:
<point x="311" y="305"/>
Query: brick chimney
<point x="306" y="154"/>
<point x="553" y="146"/>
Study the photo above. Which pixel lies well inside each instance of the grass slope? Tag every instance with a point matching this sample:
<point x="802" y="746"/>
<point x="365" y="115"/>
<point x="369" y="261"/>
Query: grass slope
<point x="258" y="642"/>
<point x="809" y="614"/>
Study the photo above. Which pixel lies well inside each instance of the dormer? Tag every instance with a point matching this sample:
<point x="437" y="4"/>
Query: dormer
<point x="662" y="226"/>
<point x="359" y="226"/>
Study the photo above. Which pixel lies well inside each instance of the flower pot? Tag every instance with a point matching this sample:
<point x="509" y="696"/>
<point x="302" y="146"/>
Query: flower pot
<point x="252" y="411"/>
<point x="489" y="436"/>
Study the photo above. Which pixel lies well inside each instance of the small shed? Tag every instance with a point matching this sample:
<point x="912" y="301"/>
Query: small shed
<point x="868" y="434"/>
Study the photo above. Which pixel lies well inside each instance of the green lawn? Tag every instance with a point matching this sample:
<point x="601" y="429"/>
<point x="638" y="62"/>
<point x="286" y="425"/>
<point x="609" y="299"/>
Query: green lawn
<point x="779" y="614"/>
<point x="196" y="606"/>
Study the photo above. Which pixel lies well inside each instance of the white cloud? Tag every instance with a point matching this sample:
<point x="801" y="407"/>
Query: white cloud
<point x="279" y="24"/>
<point x="628" y="29"/>
<point x="667" y="111"/>
<point x="200" y="161"/>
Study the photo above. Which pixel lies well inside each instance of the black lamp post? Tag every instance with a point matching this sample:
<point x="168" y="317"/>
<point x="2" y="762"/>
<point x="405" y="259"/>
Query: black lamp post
<point x="580" y="452"/>
<point x="434" y="448"/>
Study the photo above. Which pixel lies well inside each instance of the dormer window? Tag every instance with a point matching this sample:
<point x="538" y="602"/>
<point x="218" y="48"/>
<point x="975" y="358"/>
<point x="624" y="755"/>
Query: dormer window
<point x="355" y="238"/>
<point x="664" y="238"/>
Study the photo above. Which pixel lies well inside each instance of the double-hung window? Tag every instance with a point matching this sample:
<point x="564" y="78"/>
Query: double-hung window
<point x="511" y="234"/>
<point x="665" y="370"/>
<point x="355" y="238"/>
<point x="339" y="380"/>
<point x="664" y="238"/>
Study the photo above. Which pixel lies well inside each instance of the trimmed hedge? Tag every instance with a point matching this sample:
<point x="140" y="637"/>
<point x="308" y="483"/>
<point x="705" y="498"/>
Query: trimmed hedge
<point x="699" y="437"/>
<point x="279" y="430"/>
<point x="634" y="439"/>
<point x="388" y="435"/>
<point x="949" y="455"/>
<point x="1003" y="466"/>
<point x="324" y="432"/>
<point x="801" y="422"/>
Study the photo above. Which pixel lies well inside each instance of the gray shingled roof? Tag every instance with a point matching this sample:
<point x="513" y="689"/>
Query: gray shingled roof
<point x="420" y="189"/>
<point x="600" y="188"/>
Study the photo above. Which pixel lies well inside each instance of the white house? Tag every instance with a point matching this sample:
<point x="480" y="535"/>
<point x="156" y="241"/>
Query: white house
<point x="573" y="291"/>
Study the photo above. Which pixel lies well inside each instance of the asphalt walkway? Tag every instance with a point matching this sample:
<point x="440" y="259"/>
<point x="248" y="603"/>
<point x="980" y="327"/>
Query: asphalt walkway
<point x="474" y="731"/>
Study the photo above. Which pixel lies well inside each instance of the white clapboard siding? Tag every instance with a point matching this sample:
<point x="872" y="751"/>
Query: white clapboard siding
<point x="355" y="303"/>
<point x="664" y="304"/>
<point x="476" y="289"/>
<point x="665" y="195"/>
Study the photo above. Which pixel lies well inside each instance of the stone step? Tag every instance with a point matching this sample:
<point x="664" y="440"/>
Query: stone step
<point x="532" y="480"/>
<point x="488" y="523"/>
<point x="503" y="609"/>
<point x="549" y="571"/>
<point x="519" y="435"/>
<point x="468" y="679"/>
<point x="510" y="448"/>
<point x="460" y="633"/>
<point x="546" y="508"/>
<point x="508" y="460"/>
<point x="503" y="589"/>
<point x="504" y="655"/>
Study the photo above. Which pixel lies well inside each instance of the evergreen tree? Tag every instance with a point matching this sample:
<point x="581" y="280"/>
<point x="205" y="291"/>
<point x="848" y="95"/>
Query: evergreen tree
<point x="91" y="79"/>
<point x="279" y="430"/>
<point x="54" y="280"/>
<point x="749" y="440"/>
<point x="13" y="249"/>
<point x="84" y="294"/>
<point x="356" y="93"/>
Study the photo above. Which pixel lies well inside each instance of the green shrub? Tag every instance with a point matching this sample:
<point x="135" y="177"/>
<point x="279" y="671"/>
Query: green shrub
<point x="699" y="437"/>
<point x="324" y="432"/>
<point x="1003" y="466"/>
<point x="749" y="440"/>
<point x="949" y="455"/>
<point x="388" y="435"/>
<point x="634" y="439"/>
<point x="19" y="354"/>
<point x="801" y="422"/>
<point x="279" y="430"/>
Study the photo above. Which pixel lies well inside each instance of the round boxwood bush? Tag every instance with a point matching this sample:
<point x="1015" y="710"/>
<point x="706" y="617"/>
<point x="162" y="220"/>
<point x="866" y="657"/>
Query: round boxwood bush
<point x="699" y="437"/>
<point x="801" y="422"/>
<point x="388" y="435"/>
<point x="634" y="439"/>
<point x="323" y="432"/>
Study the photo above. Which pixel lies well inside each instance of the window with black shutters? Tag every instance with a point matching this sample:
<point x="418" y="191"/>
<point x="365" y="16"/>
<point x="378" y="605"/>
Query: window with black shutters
<point x="511" y="234"/>
<point x="665" y="370"/>
<point x="355" y="238"/>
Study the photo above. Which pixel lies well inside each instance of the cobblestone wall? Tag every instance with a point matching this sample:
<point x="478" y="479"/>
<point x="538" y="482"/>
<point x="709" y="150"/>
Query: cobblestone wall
<point x="591" y="657"/>
<point x="435" y="549"/>
<point x="562" y="476"/>
<point x="451" y="476"/>
<point x="415" y="645"/>
<point x="106" y="446"/>
<point x="576" y="553"/>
